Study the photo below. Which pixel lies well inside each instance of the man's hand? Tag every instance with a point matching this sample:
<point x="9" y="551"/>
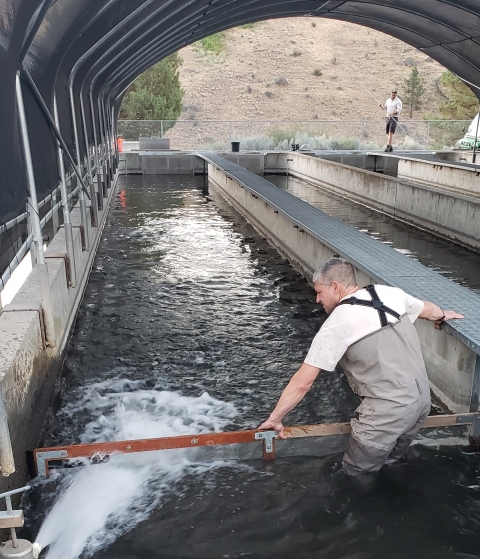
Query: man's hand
<point x="276" y="425"/>
<point x="449" y="315"/>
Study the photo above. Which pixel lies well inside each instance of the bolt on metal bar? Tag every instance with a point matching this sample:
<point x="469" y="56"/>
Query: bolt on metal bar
<point x="45" y="294"/>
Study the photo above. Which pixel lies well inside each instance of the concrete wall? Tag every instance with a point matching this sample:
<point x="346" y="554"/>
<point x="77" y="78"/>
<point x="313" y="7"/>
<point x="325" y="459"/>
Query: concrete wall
<point x="464" y="180"/>
<point x="371" y="162"/>
<point x="453" y="216"/>
<point x="29" y="369"/>
<point x="151" y="163"/>
<point x="450" y="363"/>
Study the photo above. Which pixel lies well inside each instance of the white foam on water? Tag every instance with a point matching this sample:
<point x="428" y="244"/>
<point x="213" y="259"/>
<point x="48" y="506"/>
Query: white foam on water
<point x="98" y="503"/>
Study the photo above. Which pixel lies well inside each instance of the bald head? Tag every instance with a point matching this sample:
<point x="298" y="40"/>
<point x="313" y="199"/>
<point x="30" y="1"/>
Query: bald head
<point x="336" y="269"/>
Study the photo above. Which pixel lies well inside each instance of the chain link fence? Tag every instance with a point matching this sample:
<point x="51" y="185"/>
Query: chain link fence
<point x="316" y="134"/>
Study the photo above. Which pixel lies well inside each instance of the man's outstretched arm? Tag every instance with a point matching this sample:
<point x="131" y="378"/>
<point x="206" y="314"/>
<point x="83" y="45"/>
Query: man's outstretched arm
<point x="299" y="385"/>
<point x="436" y="314"/>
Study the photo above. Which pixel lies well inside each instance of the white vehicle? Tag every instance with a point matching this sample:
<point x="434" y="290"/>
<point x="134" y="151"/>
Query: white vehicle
<point x="468" y="140"/>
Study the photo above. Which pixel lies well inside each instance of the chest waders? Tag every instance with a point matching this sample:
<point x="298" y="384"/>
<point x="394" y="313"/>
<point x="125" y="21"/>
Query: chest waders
<point x="387" y="370"/>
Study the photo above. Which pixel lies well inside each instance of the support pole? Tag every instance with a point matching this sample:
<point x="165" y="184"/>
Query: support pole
<point x="98" y="163"/>
<point x="67" y="224"/>
<point x="98" y="203"/>
<point x="95" y="155"/>
<point x="93" y="198"/>
<point x="48" y="117"/>
<point x="46" y="299"/>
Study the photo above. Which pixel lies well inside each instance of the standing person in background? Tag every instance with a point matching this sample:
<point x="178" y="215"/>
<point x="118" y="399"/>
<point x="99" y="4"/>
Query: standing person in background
<point x="392" y="106"/>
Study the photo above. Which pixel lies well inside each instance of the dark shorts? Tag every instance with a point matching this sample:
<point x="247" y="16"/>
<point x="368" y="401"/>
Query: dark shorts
<point x="392" y="124"/>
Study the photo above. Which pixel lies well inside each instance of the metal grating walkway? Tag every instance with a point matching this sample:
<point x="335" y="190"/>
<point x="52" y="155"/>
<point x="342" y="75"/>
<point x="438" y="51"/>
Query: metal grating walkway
<point x="381" y="262"/>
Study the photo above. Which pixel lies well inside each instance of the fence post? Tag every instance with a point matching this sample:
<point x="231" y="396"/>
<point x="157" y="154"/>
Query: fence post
<point x="161" y="128"/>
<point x="428" y="133"/>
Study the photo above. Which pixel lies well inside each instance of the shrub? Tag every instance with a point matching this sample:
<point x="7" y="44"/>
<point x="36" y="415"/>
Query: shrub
<point x="213" y="43"/>
<point x="156" y="94"/>
<point x="297" y="52"/>
<point x="317" y="72"/>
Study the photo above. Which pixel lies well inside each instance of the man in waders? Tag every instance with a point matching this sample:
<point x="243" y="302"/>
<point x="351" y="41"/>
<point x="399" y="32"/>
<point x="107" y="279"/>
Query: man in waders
<point x="370" y="333"/>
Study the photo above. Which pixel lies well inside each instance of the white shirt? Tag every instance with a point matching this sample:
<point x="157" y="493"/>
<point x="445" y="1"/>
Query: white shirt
<point x="349" y="323"/>
<point x="393" y="105"/>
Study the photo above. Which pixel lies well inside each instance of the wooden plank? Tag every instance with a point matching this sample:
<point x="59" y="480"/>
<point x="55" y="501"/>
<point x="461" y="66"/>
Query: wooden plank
<point x="100" y="450"/>
<point x="13" y="519"/>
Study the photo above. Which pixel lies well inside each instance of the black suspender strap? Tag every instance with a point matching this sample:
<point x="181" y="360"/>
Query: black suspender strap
<point x="375" y="303"/>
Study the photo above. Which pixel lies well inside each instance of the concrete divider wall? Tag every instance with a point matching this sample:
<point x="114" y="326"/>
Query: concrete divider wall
<point x="185" y="163"/>
<point x="451" y="365"/>
<point x="465" y="180"/>
<point x="453" y="216"/>
<point x="29" y="369"/>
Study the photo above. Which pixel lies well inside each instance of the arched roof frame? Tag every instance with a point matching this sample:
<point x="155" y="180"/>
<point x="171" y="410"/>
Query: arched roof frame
<point x="87" y="53"/>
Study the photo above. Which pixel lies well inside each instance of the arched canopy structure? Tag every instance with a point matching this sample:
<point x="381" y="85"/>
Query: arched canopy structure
<point x="85" y="53"/>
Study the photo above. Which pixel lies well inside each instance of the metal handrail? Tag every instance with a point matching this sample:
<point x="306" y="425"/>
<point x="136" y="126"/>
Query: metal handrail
<point x="23" y="250"/>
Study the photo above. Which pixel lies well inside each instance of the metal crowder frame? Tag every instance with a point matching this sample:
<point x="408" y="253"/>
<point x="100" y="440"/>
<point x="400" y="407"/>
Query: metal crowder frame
<point x="100" y="452"/>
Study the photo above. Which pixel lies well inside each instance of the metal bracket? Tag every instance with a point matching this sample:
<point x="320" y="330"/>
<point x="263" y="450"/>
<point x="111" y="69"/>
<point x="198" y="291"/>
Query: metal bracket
<point x="472" y="419"/>
<point x="268" y="438"/>
<point x="42" y="459"/>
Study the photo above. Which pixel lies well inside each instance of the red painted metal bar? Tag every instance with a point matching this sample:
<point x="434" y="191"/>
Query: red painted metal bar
<point x="43" y="456"/>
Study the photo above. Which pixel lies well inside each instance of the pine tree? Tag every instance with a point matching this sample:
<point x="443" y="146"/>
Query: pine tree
<point x="461" y="102"/>
<point x="156" y="94"/>
<point x="414" y="90"/>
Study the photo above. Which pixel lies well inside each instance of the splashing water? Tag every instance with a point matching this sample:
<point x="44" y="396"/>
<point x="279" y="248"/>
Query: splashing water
<point x="98" y="503"/>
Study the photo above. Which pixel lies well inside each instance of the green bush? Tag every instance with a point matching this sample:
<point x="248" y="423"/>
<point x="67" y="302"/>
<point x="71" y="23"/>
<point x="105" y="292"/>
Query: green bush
<point x="317" y="72"/>
<point x="156" y="94"/>
<point x="214" y="43"/>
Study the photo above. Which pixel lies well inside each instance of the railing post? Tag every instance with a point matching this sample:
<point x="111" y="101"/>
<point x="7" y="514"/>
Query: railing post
<point x="55" y="221"/>
<point x="93" y="194"/>
<point x="67" y="224"/>
<point x="42" y="269"/>
<point x="100" y="169"/>
<point x="81" y="195"/>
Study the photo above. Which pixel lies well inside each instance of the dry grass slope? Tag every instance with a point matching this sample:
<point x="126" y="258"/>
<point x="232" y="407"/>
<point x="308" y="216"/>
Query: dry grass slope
<point x="299" y="69"/>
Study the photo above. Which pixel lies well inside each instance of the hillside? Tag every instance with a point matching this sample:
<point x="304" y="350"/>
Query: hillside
<point x="358" y="67"/>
